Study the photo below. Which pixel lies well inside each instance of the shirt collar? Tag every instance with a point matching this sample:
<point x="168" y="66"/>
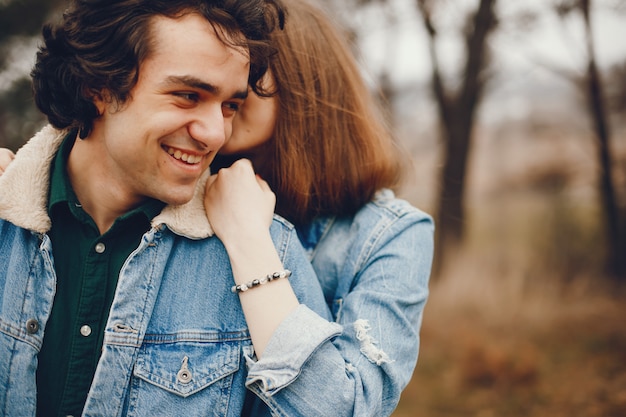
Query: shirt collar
<point x="60" y="185"/>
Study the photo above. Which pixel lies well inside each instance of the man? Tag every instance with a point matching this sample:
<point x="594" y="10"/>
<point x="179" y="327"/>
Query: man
<point x="114" y="297"/>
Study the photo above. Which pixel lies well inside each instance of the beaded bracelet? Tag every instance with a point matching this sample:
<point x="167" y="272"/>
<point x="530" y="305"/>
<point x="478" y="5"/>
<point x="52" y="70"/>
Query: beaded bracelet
<point x="285" y="273"/>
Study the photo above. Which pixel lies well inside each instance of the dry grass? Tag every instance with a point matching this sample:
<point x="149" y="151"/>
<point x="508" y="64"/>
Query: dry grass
<point x="522" y="321"/>
<point x="496" y="342"/>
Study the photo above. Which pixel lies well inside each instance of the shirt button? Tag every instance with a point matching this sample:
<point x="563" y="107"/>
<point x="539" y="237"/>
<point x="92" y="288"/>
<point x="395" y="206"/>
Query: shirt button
<point x="85" y="330"/>
<point x="100" y="247"/>
<point x="32" y="326"/>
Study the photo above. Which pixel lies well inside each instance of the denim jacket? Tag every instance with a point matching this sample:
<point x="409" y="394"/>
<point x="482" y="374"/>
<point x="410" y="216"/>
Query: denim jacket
<point x="176" y="341"/>
<point x="374" y="269"/>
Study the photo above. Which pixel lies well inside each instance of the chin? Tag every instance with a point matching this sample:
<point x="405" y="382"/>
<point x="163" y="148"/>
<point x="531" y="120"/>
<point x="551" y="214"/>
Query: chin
<point x="179" y="198"/>
<point x="234" y="146"/>
<point x="228" y="151"/>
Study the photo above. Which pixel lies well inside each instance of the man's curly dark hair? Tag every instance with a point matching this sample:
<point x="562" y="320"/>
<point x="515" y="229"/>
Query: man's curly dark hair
<point x="100" y="44"/>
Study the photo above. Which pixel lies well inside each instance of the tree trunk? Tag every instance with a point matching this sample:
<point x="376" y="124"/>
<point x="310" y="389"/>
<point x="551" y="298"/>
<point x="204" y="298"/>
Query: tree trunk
<point x="456" y="115"/>
<point x="595" y="102"/>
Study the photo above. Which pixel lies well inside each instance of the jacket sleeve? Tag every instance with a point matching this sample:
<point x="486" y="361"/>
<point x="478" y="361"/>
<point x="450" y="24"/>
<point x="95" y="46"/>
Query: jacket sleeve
<point x="360" y="368"/>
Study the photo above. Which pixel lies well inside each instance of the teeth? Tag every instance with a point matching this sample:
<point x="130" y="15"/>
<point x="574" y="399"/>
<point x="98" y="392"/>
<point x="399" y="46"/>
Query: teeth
<point x="185" y="157"/>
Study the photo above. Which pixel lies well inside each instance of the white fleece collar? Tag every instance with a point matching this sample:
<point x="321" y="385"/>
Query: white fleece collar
<point x="24" y="191"/>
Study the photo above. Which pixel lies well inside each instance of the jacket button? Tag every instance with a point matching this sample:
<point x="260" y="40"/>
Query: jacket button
<point x="184" y="374"/>
<point x="32" y="326"/>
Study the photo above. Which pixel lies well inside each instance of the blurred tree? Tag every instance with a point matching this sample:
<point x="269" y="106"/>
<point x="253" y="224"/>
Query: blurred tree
<point x="457" y="111"/>
<point x="457" y="102"/>
<point x="19" y="20"/>
<point x="594" y="93"/>
<point x="348" y="13"/>
<point x="617" y="81"/>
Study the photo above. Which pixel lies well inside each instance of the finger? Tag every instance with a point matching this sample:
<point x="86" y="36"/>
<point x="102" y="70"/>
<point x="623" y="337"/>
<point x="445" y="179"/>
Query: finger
<point x="211" y="179"/>
<point x="244" y="164"/>
<point x="262" y="183"/>
<point x="6" y="153"/>
<point x="6" y="156"/>
<point x="210" y="182"/>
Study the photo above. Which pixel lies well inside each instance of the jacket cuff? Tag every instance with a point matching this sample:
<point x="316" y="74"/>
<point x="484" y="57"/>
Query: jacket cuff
<point x="291" y="345"/>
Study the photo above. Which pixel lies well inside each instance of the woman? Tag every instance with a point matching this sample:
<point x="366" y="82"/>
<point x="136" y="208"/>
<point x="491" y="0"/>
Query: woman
<point x="321" y="145"/>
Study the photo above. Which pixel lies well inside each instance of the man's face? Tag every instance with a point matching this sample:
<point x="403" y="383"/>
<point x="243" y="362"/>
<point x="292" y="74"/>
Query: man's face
<point x="160" y="141"/>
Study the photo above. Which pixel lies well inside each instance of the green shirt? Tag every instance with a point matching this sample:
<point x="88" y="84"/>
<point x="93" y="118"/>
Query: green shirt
<point x="87" y="265"/>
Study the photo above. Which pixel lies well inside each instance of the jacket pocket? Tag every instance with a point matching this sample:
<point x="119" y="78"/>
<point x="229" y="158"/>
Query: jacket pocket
<point x="187" y="378"/>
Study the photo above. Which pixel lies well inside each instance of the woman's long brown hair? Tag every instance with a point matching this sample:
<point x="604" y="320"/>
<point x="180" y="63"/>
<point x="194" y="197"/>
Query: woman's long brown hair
<point x="331" y="149"/>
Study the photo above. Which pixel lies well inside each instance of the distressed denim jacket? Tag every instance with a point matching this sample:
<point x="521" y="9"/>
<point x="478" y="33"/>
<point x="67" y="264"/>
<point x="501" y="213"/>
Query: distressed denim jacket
<point x="374" y="269"/>
<point x="176" y="341"/>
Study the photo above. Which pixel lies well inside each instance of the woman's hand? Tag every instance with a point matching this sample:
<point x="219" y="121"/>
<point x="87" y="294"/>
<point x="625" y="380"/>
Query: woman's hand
<point x="240" y="206"/>
<point x="6" y="156"/>
<point x="238" y="203"/>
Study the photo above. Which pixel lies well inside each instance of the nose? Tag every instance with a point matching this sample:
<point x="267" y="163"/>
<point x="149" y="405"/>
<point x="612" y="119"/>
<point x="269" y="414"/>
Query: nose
<point x="209" y="128"/>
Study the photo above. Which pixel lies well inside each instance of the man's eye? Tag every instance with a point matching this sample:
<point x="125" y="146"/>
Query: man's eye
<point x="229" y="109"/>
<point x="187" y="96"/>
<point x="233" y="106"/>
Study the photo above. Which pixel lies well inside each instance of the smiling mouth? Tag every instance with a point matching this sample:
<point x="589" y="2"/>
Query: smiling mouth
<point x="183" y="156"/>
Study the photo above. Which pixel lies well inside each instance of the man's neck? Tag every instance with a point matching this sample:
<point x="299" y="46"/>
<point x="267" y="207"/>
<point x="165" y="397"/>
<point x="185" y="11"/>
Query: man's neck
<point x="99" y="192"/>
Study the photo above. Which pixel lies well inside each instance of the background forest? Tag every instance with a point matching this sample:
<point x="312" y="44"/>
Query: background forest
<point x="514" y="114"/>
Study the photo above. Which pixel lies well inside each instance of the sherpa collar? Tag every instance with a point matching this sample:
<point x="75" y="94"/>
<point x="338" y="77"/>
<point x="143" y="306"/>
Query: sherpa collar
<point x="24" y="191"/>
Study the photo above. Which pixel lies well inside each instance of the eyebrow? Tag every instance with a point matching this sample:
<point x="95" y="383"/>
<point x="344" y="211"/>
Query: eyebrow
<point x="194" y="82"/>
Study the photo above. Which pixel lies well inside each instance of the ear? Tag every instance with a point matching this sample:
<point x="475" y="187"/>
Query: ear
<point x="101" y="100"/>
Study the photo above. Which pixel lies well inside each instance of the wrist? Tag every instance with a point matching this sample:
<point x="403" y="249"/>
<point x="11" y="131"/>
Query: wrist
<point x="248" y="244"/>
<point x="284" y="273"/>
<point x="253" y="257"/>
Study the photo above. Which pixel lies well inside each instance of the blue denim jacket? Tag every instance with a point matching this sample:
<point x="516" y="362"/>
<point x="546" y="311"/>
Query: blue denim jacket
<point x="176" y="341"/>
<point x="374" y="269"/>
<point x="174" y="316"/>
